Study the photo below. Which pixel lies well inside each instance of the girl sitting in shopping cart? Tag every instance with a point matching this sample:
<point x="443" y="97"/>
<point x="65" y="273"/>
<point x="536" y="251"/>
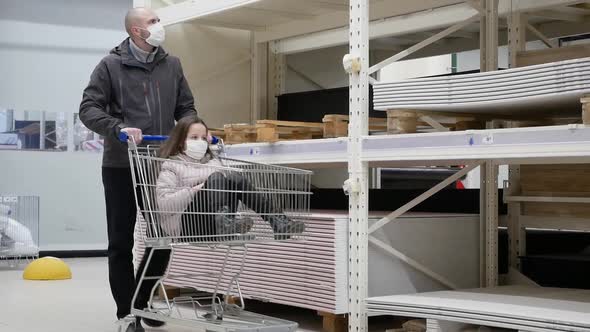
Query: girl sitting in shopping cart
<point x="199" y="197"/>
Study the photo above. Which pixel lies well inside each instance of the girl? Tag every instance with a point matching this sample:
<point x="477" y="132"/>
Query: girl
<point x="201" y="198"/>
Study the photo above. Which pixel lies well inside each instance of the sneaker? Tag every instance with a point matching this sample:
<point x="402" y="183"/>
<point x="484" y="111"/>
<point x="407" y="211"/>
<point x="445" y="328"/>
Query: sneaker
<point x="211" y="317"/>
<point x="225" y="223"/>
<point x="284" y="227"/>
<point x="152" y="322"/>
<point x="129" y="324"/>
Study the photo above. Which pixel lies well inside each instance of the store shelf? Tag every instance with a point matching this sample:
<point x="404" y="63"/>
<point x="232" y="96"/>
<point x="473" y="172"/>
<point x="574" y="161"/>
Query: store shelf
<point x="296" y="26"/>
<point x="303" y="153"/>
<point x="536" y="145"/>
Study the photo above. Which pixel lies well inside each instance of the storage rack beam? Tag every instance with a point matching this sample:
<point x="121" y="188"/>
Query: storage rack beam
<point x="535" y="145"/>
<point x="389" y="27"/>
<point x="411" y="262"/>
<point x="190" y="10"/>
<point x="446" y="32"/>
<point x="413" y="203"/>
<point x="402" y="24"/>
<point x="541" y="36"/>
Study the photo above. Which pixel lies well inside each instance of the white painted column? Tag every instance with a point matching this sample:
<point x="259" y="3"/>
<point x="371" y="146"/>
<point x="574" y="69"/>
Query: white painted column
<point x="358" y="170"/>
<point x="488" y="36"/>
<point x="42" y="126"/>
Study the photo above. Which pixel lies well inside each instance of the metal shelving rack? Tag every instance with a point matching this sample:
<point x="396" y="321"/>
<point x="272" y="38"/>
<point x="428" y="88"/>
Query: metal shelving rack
<point x="281" y="29"/>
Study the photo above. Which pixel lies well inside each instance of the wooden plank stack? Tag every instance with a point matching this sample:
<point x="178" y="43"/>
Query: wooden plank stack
<point x="336" y="125"/>
<point x="555" y="181"/>
<point x="397" y="122"/>
<point x="536" y="57"/>
<point x="271" y="131"/>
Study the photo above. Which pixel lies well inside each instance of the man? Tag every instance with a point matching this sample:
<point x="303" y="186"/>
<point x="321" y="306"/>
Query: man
<point x="137" y="89"/>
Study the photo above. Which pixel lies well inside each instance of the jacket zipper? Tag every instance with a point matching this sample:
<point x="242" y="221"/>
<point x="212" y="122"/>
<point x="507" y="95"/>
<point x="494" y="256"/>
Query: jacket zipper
<point x="147" y="103"/>
<point x="159" y="104"/>
<point x="152" y="93"/>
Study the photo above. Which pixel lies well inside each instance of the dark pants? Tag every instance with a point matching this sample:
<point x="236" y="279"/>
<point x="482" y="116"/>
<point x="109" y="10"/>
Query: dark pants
<point x="121" y="214"/>
<point x="225" y="190"/>
<point x="238" y="189"/>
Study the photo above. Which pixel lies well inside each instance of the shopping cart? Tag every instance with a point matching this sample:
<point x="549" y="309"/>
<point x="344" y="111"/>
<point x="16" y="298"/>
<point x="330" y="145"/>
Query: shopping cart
<point x="241" y="202"/>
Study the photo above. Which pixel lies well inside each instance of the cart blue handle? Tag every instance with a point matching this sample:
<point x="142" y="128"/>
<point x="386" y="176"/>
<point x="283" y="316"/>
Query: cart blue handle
<point x="123" y="137"/>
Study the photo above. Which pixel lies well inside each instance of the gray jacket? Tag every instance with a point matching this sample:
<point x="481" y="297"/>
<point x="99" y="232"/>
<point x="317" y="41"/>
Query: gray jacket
<point x="124" y="92"/>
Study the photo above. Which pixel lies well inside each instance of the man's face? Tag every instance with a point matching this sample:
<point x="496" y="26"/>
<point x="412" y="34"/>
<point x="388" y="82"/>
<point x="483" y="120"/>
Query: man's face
<point x="143" y="22"/>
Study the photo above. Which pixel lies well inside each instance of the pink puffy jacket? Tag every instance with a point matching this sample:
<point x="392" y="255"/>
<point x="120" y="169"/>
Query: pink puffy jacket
<point x="176" y="188"/>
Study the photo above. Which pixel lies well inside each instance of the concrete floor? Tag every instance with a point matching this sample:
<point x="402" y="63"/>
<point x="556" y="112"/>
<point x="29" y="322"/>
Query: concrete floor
<point x="84" y="303"/>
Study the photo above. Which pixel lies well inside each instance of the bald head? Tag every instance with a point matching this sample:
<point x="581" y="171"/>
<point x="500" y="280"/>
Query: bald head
<point x="139" y="18"/>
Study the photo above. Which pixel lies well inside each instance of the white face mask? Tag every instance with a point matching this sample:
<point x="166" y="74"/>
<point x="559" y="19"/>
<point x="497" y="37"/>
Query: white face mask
<point x="157" y="34"/>
<point x="196" y="148"/>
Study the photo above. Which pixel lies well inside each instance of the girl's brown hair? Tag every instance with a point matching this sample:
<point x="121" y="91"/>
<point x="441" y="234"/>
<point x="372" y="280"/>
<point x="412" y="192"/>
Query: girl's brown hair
<point x="176" y="141"/>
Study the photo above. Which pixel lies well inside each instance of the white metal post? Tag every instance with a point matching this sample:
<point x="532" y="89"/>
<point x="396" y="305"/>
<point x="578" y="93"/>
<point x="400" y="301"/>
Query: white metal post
<point x="42" y="131"/>
<point x="276" y="77"/>
<point x="357" y="169"/>
<point x="516" y="36"/>
<point x="489" y="224"/>
<point x="375" y="178"/>
<point x="70" y="125"/>
<point x="515" y="231"/>
<point x="258" y="79"/>
<point x="517" y="23"/>
<point x="9" y="120"/>
<point x="488" y="36"/>
<point x="254" y="81"/>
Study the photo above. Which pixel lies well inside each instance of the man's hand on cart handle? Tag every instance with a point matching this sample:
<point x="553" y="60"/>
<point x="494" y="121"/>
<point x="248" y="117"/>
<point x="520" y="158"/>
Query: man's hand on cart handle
<point x="133" y="132"/>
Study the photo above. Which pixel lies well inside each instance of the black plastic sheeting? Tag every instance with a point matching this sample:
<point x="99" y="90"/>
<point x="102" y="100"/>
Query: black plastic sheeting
<point x="445" y="201"/>
<point x="558" y="259"/>
<point x="311" y="106"/>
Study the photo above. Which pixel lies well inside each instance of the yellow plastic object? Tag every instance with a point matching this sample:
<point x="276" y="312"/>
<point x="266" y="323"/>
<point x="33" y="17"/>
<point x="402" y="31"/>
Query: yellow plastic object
<point x="47" y="268"/>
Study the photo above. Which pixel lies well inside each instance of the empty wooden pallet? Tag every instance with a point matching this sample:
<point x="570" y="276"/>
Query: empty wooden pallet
<point x="272" y="131"/>
<point x="336" y="125"/>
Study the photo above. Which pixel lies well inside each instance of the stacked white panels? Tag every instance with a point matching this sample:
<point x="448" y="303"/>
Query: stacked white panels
<point x="308" y="273"/>
<point x="546" y="87"/>
<point x="525" y="308"/>
<point x="312" y="273"/>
